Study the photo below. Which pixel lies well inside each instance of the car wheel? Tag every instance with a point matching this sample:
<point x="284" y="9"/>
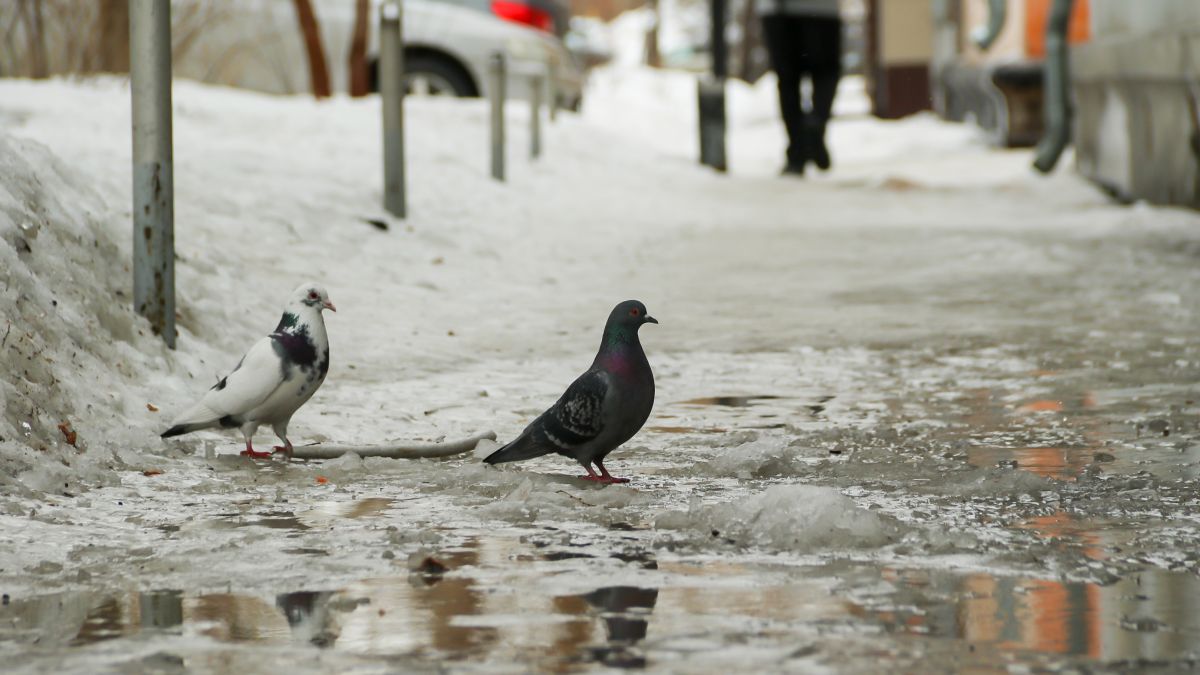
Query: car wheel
<point x="431" y="76"/>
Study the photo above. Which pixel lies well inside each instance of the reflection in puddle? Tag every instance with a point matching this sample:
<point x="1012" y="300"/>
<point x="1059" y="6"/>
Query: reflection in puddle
<point x="729" y="401"/>
<point x="122" y="615"/>
<point x="359" y="508"/>
<point x="460" y="617"/>
<point x="320" y="514"/>
<point x="275" y="520"/>
<point x="625" y="611"/>
<point x="686" y="430"/>
<point x="1092" y="538"/>
<point x="1055" y="463"/>
<point x="1148" y="616"/>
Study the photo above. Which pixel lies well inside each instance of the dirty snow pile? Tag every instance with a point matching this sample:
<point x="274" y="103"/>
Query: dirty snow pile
<point x="71" y="348"/>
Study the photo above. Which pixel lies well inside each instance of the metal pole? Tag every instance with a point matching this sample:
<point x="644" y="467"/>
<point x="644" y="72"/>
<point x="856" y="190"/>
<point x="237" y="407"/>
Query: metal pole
<point x="391" y="90"/>
<point x="498" y="80"/>
<point x="984" y="36"/>
<point x="1057" y="88"/>
<point x="712" y="123"/>
<point x="720" y="50"/>
<point x="552" y="79"/>
<point x="711" y="96"/>
<point x="535" y="116"/>
<point x="153" y="165"/>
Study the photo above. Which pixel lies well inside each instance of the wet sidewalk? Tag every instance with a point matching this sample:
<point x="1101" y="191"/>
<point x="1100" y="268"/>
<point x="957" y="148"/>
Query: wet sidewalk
<point x="926" y="412"/>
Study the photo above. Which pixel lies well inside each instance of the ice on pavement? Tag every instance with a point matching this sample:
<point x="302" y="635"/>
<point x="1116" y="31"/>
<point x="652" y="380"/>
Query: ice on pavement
<point x="927" y="394"/>
<point x="798" y="518"/>
<point x="763" y="457"/>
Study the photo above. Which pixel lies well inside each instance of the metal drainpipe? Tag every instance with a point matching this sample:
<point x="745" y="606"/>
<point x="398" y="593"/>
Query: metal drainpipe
<point x="984" y="36"/>
<point x="1058" y="102"/>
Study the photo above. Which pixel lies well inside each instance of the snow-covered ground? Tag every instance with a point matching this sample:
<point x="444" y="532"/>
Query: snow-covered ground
<point x="928" y="408"/>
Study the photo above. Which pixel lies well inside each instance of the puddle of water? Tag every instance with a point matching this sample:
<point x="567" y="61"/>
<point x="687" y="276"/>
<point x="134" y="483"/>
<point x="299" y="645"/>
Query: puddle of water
<point x="359" y="508"/>
<point x="470" y="614"/>
<point x="321" y="513"/>
<point x="453" y="616"/>
<point x="275" y="520"/>
<point x="686" y="430"/>
<point x="1150" y="616"/>
<point x="1064" y="464"/>
<point x="1095" y="539"/>
<point x="729" y="401"/>
<point x="306" y="551"/>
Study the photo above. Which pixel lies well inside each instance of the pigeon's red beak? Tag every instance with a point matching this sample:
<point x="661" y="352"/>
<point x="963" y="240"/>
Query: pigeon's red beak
<point x="329" y="305"/>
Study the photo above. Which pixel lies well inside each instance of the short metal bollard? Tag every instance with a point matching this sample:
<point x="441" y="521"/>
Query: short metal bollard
<point x="712" y="123"/>
<point x="536" y="82"/>
<point x="153" y="166"/>
<point x="499" y="78"/>
<point x="553" y="90"/>
<point x="391" y="90"/>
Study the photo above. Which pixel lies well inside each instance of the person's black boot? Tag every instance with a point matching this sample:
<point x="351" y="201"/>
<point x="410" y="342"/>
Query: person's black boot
<point x="793" y="168"/>
<point x="815" y="130"/>
<point x="797" y="155"/>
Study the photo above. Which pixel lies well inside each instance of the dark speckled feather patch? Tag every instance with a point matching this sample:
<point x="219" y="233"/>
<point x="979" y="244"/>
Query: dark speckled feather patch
<point x="576" y="418"/>
<point x="292" y="342"/>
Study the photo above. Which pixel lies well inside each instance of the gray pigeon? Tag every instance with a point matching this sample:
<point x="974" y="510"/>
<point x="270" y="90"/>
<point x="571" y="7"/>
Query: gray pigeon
<point x="601" y="409"/>
<point x="277" y="376"/>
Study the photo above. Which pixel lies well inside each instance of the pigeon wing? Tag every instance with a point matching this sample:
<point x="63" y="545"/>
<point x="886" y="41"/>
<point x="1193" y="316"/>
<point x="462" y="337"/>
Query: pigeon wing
<point x="578" y="417"/>
<point x="256" y="377"/>
<point x="572" y="421"/>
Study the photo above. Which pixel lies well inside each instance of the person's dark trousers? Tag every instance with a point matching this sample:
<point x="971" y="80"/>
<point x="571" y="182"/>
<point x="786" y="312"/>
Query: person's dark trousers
<point x="800" y="46"/>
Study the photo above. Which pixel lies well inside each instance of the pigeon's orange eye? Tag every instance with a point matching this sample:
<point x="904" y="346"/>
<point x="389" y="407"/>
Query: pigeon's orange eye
<point x="633" y="312"/>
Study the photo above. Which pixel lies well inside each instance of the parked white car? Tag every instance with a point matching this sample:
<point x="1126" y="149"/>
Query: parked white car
<point x="256" y="44"/>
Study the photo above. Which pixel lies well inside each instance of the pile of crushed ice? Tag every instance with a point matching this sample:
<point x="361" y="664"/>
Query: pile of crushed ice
<point x="796" y="518"/>
<point x="763" y="457"/>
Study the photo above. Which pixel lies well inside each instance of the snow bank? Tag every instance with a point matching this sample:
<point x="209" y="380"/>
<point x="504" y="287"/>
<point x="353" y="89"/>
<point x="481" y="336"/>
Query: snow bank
<point x="69" y="341"/>
<point x="786" y="518"/>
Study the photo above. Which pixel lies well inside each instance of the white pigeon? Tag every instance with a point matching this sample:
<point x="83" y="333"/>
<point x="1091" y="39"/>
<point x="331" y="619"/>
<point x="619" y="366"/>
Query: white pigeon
<point x="277" y="376"/>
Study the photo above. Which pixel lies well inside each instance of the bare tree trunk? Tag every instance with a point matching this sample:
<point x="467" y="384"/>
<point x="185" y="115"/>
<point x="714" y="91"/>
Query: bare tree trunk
<point x="317" y="68"/>
<point x="112" y="37"/>
<point x="653" y="56"/>
<point x="360" y="84"/>
<point x="749" y="41"/>
<point x="35" y="37"/>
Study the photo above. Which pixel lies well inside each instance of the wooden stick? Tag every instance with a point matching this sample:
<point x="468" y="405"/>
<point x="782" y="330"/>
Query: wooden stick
<point x="397" y="451"/>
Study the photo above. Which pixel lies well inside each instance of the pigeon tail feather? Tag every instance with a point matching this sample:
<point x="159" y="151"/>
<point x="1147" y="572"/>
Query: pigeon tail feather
<point x="197" y="417"/>
<point x="181" y="429"/>
<point x="521" y="448"/>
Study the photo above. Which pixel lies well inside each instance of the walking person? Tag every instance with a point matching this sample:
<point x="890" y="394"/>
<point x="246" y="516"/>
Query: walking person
<point x="804" y="39"/>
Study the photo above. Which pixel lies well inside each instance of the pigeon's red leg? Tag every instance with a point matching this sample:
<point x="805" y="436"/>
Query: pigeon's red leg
<point x="607" y="477"/>
<point x="251" y="452"/>
<point x="286" y="449"/>
<point x="592" y="475"/>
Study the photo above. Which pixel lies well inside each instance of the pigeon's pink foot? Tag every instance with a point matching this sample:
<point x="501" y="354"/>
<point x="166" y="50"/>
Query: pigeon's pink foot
<point x="256" y="454"/>
<point x="607" y="477"/>
<point x="595" y="478"/>
<point x="285" y="449"/>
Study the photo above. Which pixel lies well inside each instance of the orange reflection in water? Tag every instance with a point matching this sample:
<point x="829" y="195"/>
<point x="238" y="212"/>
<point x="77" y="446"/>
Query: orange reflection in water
<point x="1148" y="616"/>
<point x="1062" y="526"/>
<point x="1063" y="464"/>
<point x="1042" y="406"/>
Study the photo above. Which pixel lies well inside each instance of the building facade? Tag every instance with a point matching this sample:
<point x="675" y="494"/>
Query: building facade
<point x="1136" y="86"/>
